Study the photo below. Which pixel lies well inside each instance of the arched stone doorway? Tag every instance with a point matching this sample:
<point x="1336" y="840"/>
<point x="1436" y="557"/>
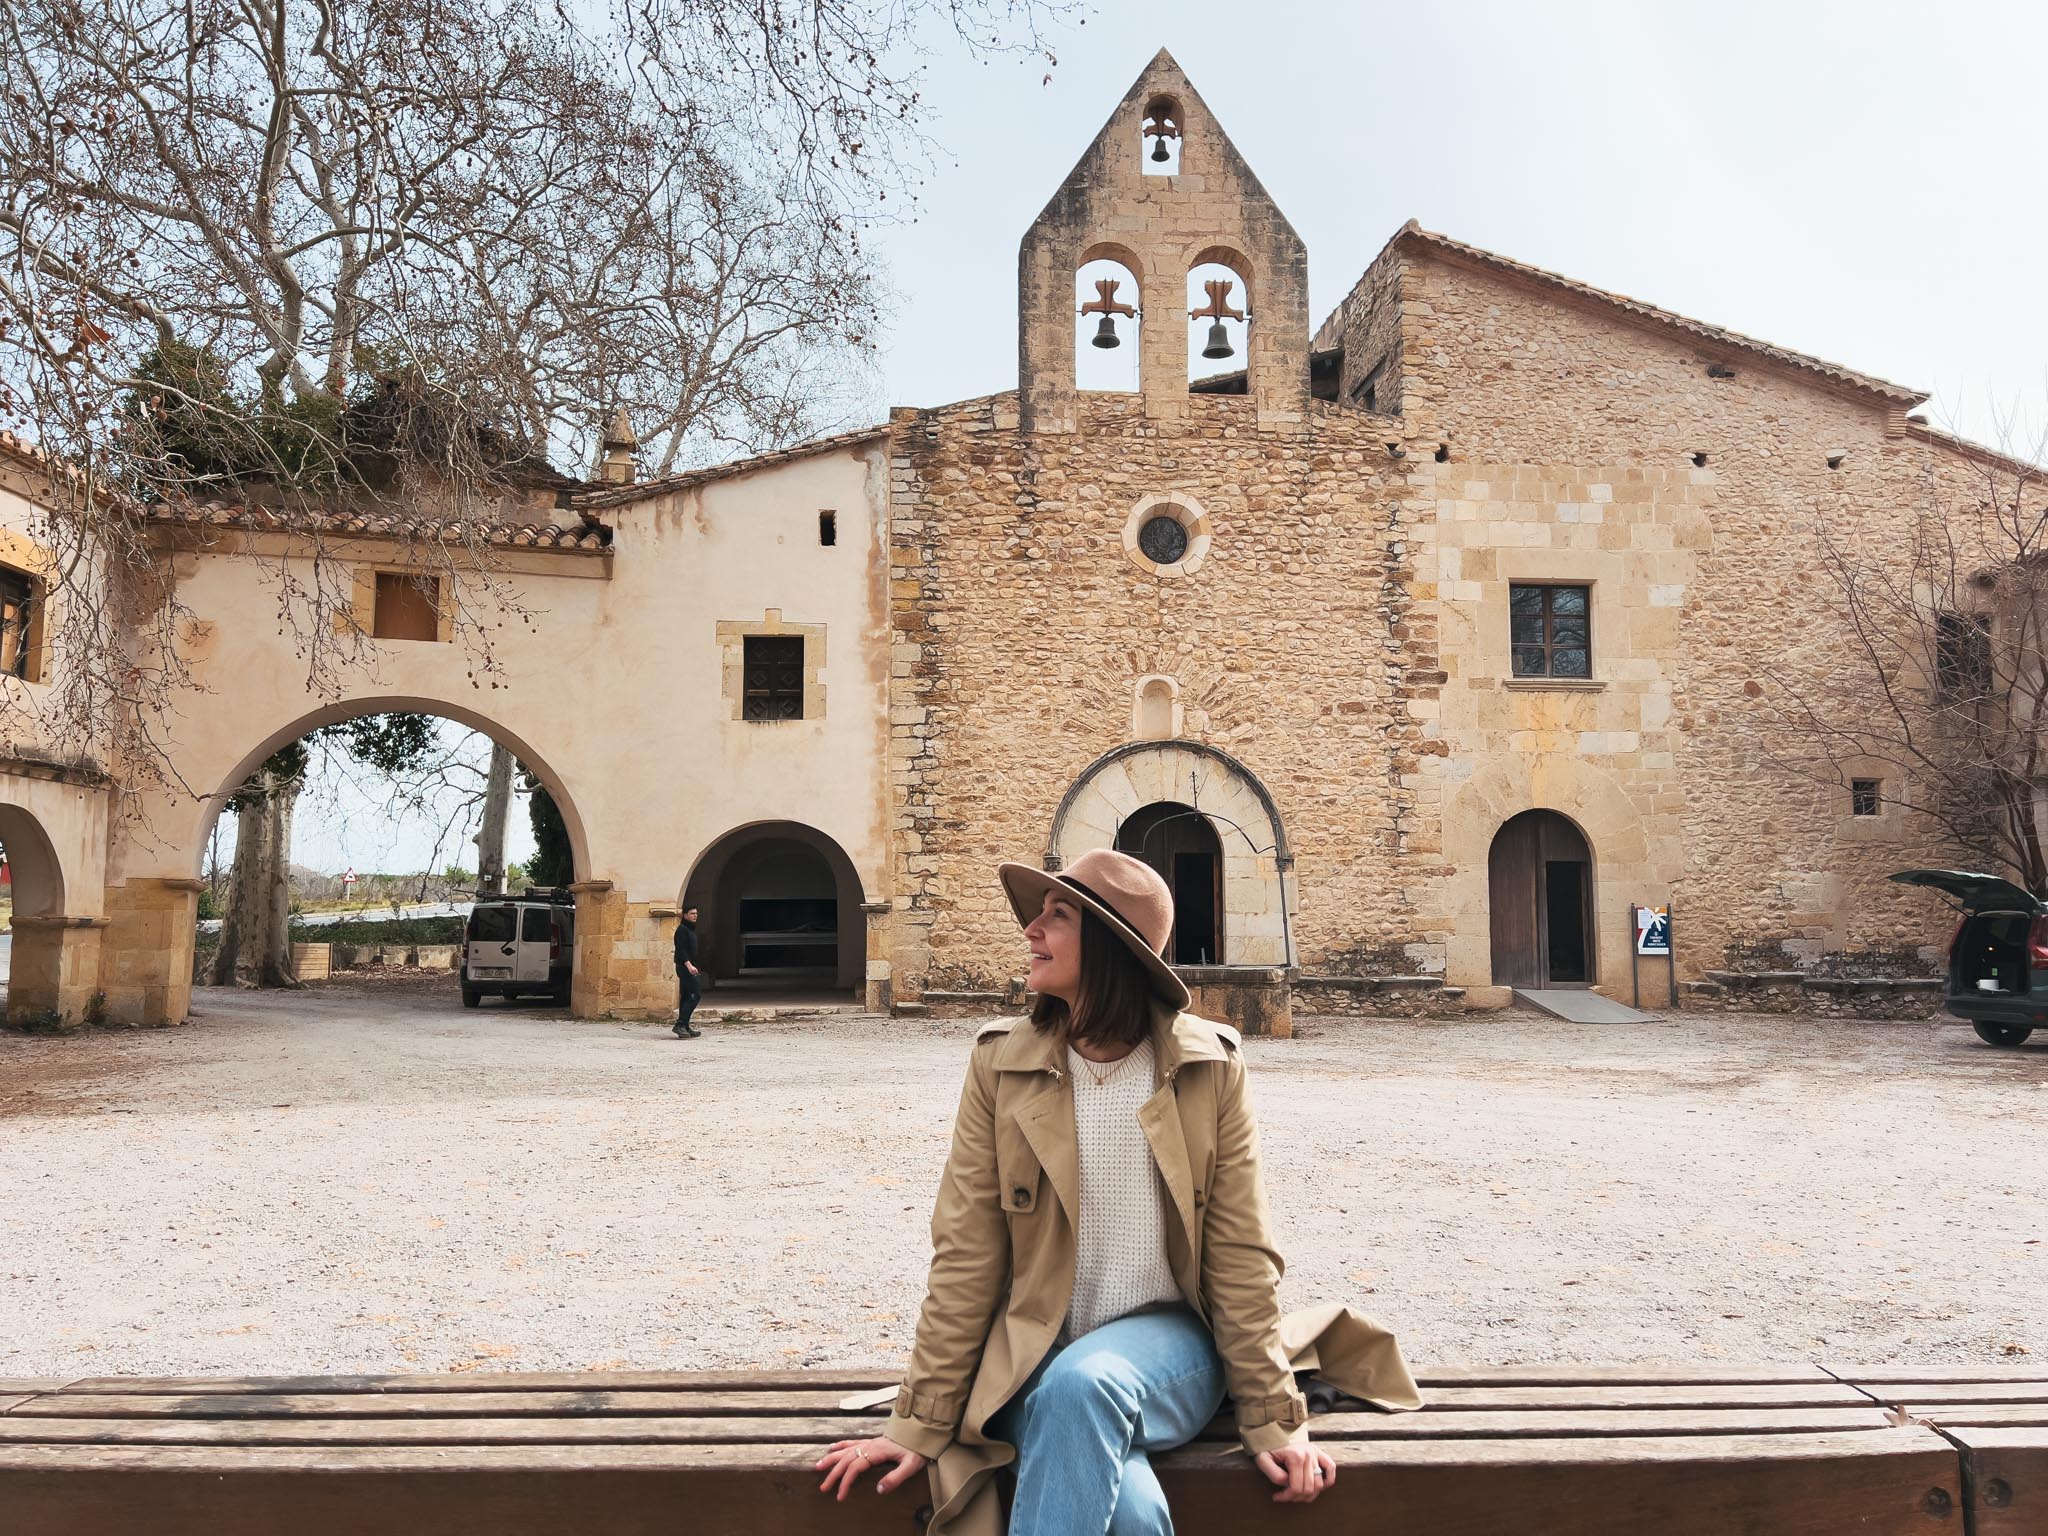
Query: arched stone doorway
<point x="53" y="832"/>
<point x="1255" y="867"/>
<point x="779" y="907"/>
<point x="1181" y="843"/>
<point x="1540" y="901"/>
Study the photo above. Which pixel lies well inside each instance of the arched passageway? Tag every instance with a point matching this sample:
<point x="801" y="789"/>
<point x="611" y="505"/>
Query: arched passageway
<point x="779" y="907"/>
<point x="1540" y="900"/>
<point x="1181" y="844"/>
<point x="53" y="837"/>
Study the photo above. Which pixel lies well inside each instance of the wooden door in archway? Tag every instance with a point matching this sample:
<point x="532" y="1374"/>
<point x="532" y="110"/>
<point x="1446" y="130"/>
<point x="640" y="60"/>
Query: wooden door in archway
<point x="1179" y="842"/>
<point x="1540" y="900"/>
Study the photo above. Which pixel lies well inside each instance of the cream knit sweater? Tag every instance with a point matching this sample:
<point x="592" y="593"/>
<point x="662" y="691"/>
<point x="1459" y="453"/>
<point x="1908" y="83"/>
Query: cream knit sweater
<point x="1120" y="1242"/>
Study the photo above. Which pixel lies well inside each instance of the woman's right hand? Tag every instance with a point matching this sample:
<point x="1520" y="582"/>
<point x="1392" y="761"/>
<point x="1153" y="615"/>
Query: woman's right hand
<point x="847" y="1459"/>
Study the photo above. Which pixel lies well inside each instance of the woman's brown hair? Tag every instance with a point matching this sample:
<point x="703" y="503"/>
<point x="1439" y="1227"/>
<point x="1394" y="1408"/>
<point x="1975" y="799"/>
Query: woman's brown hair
<point x="1114" y="1001"/>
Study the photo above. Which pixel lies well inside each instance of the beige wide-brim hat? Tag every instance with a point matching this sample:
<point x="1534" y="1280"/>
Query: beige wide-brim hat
<point x="1125" y="892"/>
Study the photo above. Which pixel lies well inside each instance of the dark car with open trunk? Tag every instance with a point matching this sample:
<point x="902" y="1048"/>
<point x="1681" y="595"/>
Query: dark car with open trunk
<point x="1998" y="955"/>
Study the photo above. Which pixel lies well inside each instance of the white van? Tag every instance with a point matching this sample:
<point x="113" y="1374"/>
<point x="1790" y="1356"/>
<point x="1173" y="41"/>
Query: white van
<point x="516" y="944"/>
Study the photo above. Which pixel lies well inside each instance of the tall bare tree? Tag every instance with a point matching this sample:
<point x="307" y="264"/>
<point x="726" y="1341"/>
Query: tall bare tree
<point x="421" y="247"/>
<point x="1935" y="704"/>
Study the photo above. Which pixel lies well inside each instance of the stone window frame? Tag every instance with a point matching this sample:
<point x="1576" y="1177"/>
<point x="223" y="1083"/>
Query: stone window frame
<point x="1183" y="509"/>
<point x="1889" y="825"/>
<point x="362" y="608"/>
<point x="1604" y="573"/>
<point x="732" y="635"/>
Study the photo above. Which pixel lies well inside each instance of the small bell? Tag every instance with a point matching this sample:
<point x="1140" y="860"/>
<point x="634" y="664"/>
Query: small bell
<point x="1219" y="342"/>
<point x="1159" y="154"/>
<point x="1105" y="333"/>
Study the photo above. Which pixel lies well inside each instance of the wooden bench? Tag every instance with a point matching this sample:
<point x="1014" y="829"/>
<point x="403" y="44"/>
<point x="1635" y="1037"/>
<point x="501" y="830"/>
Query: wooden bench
<point x="1529" y="1450"/>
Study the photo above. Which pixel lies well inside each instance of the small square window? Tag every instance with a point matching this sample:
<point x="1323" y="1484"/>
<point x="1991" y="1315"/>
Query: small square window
<point x="407" y="607"/>
<point x="1550" y="631"/>
<point x="1865" y="796"/>
<point x="828" y="528"/>
<point x="774" y="677"/>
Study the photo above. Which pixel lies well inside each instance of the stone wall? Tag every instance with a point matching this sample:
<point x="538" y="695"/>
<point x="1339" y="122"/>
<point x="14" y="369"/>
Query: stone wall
<point x="1713" y="485"/>
<point x="1022" y="630"/>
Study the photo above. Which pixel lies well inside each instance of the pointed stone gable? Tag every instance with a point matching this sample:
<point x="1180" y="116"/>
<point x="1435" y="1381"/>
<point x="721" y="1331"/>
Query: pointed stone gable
<point x="1213" y="209"/>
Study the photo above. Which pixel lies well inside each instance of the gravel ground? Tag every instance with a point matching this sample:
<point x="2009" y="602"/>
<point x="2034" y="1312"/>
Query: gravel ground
<point x="371" y="1179"/>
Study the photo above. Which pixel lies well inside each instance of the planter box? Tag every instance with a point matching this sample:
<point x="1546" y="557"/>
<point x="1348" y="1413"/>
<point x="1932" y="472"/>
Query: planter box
<point x="312" y="962"/>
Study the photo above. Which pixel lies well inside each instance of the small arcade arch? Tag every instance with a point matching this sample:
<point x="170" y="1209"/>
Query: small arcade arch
<point x="779" y="908"/>
<point x="1540" y="890"/>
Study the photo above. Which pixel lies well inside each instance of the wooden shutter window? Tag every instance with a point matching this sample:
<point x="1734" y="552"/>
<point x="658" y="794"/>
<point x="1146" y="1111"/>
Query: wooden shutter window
<point x="407" y="607"/>
<point x="17" y="613"/>
<point x="774" y="677"/>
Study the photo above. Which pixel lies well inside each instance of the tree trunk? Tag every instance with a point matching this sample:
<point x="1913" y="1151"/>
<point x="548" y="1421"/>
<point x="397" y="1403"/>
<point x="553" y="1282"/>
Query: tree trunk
<point x="242" y="885"/>
<point x="256" y="928"/>
<point x="270" y="946"/>
<point x="490" y="841"/>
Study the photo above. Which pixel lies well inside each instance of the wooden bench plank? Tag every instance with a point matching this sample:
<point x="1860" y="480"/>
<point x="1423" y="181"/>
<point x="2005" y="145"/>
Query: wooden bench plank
<point x="12" y="1400"/>
<point x="1328" y="1429"/>
<point x="1676" y="1374"/>
<point x="1934" y="1392"/>
<point x="13" y="1384"/>
<point x="1874" y="1482"/>
<point x="730" y="1402"/>
<point x="2008" y="1479"/>
<point x="507" y="1381"/>
<point x="862" y="1381"/>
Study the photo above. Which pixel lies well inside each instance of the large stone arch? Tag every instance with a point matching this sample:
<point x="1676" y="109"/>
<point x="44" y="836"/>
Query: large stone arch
<point x="225" y="783"/>
<point x="1627" y="865"/>
<point x="153" y="880"/>
<point x="1258" y="864"/>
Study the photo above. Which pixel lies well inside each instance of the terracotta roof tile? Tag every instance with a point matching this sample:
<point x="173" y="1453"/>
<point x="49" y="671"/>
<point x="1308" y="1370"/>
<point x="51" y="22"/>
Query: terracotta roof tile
<point x="589" y="536"/>
<point x="623" y="495"/>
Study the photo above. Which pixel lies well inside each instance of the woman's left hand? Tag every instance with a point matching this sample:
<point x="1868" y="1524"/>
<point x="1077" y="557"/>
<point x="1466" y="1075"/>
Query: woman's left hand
<point x="1302" y="1470"/>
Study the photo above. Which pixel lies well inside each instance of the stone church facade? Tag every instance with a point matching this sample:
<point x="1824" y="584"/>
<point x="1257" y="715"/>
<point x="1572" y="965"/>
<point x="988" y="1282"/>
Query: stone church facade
<point x="1415" y="649"/>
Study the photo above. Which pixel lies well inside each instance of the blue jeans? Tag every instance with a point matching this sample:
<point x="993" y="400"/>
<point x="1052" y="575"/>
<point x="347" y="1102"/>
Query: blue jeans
<point x="1084" y="1420"/>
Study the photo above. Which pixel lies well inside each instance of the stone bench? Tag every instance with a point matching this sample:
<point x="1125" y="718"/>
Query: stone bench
<point x="1532" y="1450"/>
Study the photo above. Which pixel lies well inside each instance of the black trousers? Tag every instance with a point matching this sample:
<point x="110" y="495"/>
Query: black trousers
<point x="689" y="993"/>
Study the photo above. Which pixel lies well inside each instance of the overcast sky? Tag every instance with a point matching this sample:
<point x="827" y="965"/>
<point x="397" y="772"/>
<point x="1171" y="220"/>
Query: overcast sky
<point x="1863" y="182"/>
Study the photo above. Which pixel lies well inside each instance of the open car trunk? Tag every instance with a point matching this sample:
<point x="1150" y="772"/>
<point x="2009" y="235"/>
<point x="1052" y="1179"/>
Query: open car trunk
<point x="1991" y="955"/>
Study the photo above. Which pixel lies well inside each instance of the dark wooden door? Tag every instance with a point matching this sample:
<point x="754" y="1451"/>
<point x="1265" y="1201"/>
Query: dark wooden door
<point x="1540" y="902"/>
<point x="1181" y="843"/>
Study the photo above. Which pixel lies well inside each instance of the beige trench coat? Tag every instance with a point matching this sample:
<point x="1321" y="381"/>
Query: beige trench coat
<point x="1003" y="1254"/>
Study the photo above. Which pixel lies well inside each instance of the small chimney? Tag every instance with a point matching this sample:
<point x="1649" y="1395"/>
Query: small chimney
<point x="615" y="451"/>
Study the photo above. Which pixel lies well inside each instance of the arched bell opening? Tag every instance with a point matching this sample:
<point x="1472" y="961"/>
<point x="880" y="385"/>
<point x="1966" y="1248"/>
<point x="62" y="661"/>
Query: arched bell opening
<point x="779" y="910"/>
<point x="1159" y="137"/>
<point x="1219" y="325"/>
<point x="1181" y="844"/>
<point x="1540" y="903"/>
<point x="1106" y="321"/>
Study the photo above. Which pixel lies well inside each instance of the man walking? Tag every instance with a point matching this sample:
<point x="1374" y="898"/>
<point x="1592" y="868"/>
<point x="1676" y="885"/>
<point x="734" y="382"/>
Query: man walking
<point x="689" y="989"/>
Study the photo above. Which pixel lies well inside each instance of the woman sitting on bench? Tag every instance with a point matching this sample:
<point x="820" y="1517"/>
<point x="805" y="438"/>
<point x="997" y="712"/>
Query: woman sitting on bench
<point x="1102" y="1272"/>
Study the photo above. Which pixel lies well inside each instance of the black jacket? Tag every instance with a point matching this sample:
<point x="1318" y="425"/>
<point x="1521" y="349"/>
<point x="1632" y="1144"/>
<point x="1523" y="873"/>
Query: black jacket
<point x="686" y="945"/>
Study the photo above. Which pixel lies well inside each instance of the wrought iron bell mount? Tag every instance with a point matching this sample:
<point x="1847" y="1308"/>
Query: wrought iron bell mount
<point x="1107" y="304"/>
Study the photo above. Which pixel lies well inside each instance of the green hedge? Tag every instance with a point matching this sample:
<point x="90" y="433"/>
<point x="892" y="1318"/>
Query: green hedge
<point x="398" y="930"/>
